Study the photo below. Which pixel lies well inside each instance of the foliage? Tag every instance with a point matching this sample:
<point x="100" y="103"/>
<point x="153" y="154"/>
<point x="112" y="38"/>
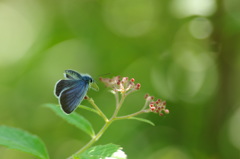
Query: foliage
<point x="21" y="140"/>
<point x="186" y="52"/>
<point x="102" y="151"/>
<point x="121" y="88"/>
<point x="74" y="119"/>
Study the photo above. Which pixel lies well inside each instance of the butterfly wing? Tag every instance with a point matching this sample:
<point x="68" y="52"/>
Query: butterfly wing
<point x="72" y="96"/>
<point x="72" y="75"/>
<point x="62" y="85"/>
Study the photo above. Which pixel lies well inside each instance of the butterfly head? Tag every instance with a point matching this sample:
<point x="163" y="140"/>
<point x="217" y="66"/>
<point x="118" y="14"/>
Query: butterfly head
<point x="91" y="82"/>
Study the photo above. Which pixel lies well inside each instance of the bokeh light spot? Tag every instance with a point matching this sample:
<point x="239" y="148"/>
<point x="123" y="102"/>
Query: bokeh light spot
<point x="185" y="84"/>
<point x="184" y="8"/>
<point x="191" y="72"/>
<point x="234" y="129"/>
<point x="75" y="54"/>
<point x="200" y="28"/>
<point x="17" y="35"/>
<point x="192" y="57"/>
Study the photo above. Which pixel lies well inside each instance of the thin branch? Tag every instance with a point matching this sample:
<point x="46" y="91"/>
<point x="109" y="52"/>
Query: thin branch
<point x="91" y="101"/>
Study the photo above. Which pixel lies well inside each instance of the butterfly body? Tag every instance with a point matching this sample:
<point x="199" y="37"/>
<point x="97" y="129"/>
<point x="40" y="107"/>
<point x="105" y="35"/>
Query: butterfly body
<point x="72" y="90"/>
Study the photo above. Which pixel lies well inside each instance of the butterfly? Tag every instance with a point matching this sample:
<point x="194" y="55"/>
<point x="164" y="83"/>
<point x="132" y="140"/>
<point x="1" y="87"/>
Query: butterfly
<point x="71" y="91"/>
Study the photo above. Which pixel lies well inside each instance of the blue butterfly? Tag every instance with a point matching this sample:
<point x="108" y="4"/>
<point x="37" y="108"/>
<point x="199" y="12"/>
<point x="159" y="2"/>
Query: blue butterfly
<point x="71" y="91"/>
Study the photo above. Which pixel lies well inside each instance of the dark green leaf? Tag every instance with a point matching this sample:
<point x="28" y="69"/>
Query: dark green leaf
<point x="21" y="140"/>
<point x="103" y="151"/>
<point x="74" y="119"/>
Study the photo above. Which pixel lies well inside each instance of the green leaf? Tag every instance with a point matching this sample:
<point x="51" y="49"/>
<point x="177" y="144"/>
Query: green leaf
<point x="88" y="108"/>
<point x="74" y="119"/>
<point x="142" y="120"/>
<point x="21" y="140"/>
<point x="103" y="151"/>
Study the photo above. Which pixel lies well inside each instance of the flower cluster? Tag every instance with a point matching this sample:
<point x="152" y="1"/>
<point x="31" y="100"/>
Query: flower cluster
<point x="122" y="85"/>
<point x="157" y="106"/>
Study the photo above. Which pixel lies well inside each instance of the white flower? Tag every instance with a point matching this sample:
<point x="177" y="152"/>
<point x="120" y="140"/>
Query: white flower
<point x="122" y="85"/>
<point x="119" y="154"/>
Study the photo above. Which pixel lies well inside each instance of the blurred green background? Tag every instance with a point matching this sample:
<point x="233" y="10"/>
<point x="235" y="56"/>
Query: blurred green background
<point x="183" y="51"/>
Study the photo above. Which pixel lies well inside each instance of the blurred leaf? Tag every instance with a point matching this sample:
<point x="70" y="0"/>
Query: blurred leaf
<point x="110" y="151"/>
<point x="143" y="120"/>
<point x="74" y="119"/>
<point x="88" y="108"/>
<point x="21" y="140"/>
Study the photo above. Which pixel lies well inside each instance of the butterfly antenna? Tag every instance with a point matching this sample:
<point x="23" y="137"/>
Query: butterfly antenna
<point x="104" y="74"/>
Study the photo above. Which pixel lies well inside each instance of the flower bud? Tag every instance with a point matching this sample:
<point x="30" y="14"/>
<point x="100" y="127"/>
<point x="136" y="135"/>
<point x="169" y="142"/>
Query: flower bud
<point x="166" y="111"/>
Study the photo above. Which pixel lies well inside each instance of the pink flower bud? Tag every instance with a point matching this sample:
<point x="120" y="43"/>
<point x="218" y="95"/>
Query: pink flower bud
<point x="138" y="85"/>
<point x="151" y="105"/>
<point x="152" y="108"/>
<point x="166" y="111"/>
<point x="118" y="82"/>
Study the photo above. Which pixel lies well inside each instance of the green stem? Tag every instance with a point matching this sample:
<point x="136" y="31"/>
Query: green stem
<point x="118" y="106"/>
<point x="91" y="101"/>
<point x="117" y="98"/>
<point x="130" y="115"/>
<point x="107" y="124"/>
<point x="94" y="139"/>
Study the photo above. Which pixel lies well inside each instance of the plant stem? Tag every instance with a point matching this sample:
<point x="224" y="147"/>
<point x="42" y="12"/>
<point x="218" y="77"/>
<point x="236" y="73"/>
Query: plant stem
<point x="118" y="106"/>
<point x="105" y="126"/>
<point x="117" y="98"/>
<point x="94" y="139"/>
<point x="130" y="115"/>
<point x="108" y="122"/>
<point x="91" y="101"/>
